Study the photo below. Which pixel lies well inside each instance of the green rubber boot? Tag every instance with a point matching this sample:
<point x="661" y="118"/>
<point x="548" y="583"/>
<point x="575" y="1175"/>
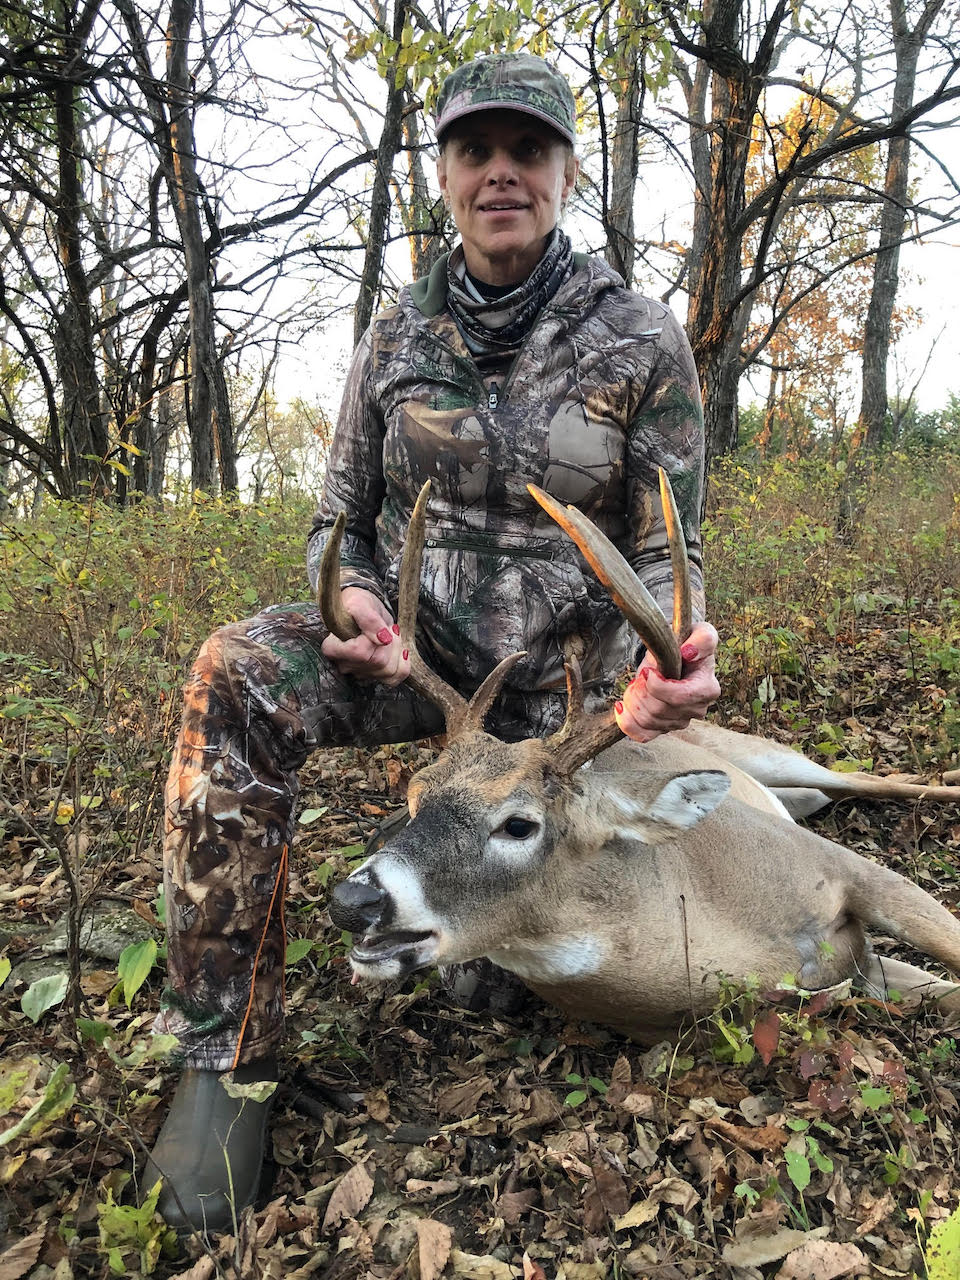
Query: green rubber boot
<point x="210" y="1150"/>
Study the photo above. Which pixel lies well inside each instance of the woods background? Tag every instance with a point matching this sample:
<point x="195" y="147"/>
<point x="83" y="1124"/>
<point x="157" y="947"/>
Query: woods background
<point x="195" y="198"/>
<point x="201" y="206"/>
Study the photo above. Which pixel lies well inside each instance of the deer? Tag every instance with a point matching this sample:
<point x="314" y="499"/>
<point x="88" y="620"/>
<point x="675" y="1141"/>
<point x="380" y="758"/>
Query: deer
<point x="626" y="883"/>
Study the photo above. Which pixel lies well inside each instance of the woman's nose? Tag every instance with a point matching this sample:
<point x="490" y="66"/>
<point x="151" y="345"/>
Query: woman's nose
<point x="502" y="169"/>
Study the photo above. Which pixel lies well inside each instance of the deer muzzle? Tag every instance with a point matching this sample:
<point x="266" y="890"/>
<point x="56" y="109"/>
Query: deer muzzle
<point x="382" y="948"/>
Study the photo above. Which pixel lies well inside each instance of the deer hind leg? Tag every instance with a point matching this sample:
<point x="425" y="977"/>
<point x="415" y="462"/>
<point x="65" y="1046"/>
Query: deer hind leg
<point x="880" y="976"/>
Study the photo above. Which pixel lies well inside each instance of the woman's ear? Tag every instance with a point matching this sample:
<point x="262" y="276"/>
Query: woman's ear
<point x="570" y="174"/>
<point x="442" y="175"/>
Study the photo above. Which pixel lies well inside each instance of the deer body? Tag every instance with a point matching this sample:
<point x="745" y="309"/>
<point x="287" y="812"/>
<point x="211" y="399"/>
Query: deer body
<point x="624" y="894"/>
<point x="621" y="882"/>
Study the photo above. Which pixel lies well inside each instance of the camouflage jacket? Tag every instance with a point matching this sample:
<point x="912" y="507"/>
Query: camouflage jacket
<point x="602" y="391"/>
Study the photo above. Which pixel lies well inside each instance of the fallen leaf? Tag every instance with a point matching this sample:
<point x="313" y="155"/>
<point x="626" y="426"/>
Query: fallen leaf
<point x="638" y="1104"/>
<point x="766" y="1034"/>
<point x="871" y="1212"/>
<point x="769" y="1137"/>
<point x="461" y="1099"/>
<point x="754" y="1251"/>
<point x="377" y="1104"/>
<point x="434" y="1240"/>
<point x="350" y="1195"/>
<point x="638" y="1215"/>
<point x="202" y="1269"/>
<point x="532" y="1270"/>
<point x="822" y="1260"/>
<point x="514" y="1205"/>
<point x="480" y="1268"/>
<point x="20" y="1257"/>
<point x="424" y="1187"/>
<point x="607" y="1196"/>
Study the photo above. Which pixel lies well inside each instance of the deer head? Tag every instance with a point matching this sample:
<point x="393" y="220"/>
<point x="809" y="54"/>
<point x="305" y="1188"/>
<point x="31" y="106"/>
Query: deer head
<point x="478" y="869"/>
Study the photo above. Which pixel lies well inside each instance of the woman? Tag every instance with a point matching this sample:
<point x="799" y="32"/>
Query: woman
<point x="516" y="360"/>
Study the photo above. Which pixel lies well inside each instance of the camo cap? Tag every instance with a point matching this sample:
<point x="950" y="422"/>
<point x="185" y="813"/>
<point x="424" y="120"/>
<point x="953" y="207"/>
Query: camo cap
<point x="510" y="81"/>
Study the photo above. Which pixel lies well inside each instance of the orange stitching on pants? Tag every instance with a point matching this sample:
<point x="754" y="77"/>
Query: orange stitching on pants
<point x="281" y="884"/>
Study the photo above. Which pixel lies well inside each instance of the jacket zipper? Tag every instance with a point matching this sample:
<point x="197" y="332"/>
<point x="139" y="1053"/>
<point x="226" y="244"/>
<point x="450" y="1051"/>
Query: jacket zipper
<point x="495" y="395"/>
<point x="486" y="548"/>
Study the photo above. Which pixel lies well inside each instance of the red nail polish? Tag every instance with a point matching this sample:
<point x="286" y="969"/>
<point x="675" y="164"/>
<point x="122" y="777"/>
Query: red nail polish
<point x="689" y="652"/>
<point x="396" y="628"/>
<point x="406" y="654"/>
<point x="384" y="635"/>
<point x="618" y="707"/>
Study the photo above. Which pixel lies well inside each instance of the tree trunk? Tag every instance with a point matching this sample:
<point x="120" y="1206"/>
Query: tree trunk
<point x="380" y="195"/>
<point x="423" y="216"/>
<point x="718" y="315"/>
<point x="624" y="153"/>
<point x="211" y="422"/>
<point x="85" y="436"/>
<point x="869" y="435"/>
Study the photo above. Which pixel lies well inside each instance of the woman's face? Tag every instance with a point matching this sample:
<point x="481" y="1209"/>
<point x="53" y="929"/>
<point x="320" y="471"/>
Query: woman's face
<point x="504" y="177"/>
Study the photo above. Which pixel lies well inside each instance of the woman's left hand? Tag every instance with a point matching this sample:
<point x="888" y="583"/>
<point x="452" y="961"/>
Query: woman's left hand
<point x="653" y="705"/>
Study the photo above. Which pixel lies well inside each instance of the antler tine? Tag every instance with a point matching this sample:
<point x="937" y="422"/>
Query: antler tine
<point x="456" y="710"/>
<point x="484" y="698"/>
<point x="582" y="735"/>
<point x="629" y="594"/>
<point x="682" y="607"/>
<point x="335" y="617"/>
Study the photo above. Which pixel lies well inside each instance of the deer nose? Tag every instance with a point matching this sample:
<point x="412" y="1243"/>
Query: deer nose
<point x="356" y="905"/>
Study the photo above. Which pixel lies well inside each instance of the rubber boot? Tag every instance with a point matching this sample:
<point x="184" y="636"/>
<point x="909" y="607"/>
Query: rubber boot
<point x="210" y="1151"/>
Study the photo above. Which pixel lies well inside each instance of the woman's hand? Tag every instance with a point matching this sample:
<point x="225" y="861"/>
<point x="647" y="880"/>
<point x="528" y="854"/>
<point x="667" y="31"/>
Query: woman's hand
<point x="377" y="653"/>
<point x="653" y="705"/>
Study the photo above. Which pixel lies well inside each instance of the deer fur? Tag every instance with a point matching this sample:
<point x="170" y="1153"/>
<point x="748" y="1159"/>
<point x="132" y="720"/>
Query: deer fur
<point x="621" y="882"/>
<point x="636" y="889"/>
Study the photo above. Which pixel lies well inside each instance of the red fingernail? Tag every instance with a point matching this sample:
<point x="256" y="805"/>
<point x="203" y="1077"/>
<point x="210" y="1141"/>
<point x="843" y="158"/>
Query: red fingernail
<point x="406" y="654"/>
<point x="688" y="652"/>
<point x="396" y="628"/>
<point x="384" y="635"/>
<point x="618" y="707"/>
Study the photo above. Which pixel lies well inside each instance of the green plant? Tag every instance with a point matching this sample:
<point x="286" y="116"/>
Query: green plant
<point x="576" y="1097"/>
<point x="133" y="1231"/>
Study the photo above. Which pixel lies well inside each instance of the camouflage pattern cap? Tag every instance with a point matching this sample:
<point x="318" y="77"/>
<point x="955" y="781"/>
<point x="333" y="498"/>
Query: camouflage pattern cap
<point x="511" y="81"/>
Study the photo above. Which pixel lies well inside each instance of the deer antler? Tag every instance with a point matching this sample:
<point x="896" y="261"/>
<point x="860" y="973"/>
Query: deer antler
<point x="583" y="735"/>
<point x="459" y="715"/>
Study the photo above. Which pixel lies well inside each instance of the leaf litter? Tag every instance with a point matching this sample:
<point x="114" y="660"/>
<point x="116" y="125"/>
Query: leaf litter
<point x="411" y="1138"/>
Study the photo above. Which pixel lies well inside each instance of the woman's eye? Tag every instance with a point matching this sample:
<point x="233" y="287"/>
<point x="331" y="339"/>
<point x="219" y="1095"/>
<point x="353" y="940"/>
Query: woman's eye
<point x="518" y="828"/>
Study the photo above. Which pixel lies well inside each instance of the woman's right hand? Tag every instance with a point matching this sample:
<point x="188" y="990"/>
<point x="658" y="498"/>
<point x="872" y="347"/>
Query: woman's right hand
<point x="377" y="654"/>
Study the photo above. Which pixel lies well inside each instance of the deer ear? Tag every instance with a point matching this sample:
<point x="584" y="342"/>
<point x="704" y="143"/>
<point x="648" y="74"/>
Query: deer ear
<point x="687" y="798"/>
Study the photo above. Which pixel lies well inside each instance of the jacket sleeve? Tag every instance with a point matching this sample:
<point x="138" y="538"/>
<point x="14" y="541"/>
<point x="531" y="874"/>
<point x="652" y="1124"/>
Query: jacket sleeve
<point x="354" y="480"/>
<point x="666" y="431"/>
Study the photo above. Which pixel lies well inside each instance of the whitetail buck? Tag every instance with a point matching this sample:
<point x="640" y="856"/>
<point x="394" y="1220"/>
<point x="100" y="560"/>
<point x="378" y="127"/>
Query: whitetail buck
<point x="622" y="882"/>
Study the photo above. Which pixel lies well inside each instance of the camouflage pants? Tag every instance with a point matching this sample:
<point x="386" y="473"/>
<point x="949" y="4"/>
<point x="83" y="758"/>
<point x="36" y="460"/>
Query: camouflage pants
<point x="260" y="697"/>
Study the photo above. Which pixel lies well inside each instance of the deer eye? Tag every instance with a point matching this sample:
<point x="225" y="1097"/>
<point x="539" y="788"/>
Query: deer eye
<point x="518" y="828"/>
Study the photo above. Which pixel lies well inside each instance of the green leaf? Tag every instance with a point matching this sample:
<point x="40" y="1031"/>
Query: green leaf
<point x="874" y="1099"/>
<point x="575" y="1098"/>
<point x="135" y="963"/>
<point x="311" y="815"/>
<point x="255" y="1091"/>
<point x="43" y="995"/>
<point x="94" y="1030"/>
<point x="798" y="1169"/>
<point x="942" y="1254"/>
<point x="5" y="967"/>
<point x="297" y="948"/>
<point x="57" y="1097"/>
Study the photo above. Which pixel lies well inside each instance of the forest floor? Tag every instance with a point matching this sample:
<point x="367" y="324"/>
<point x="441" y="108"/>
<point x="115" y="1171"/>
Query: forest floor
<point x="411" y="1137"/>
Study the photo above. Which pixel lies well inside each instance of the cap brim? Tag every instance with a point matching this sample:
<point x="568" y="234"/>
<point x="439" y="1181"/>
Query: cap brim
<point x="475" y="109"/>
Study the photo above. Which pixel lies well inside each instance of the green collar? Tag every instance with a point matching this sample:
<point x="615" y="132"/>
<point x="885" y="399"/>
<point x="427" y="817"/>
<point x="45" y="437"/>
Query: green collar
<point x="429" y="293"/>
